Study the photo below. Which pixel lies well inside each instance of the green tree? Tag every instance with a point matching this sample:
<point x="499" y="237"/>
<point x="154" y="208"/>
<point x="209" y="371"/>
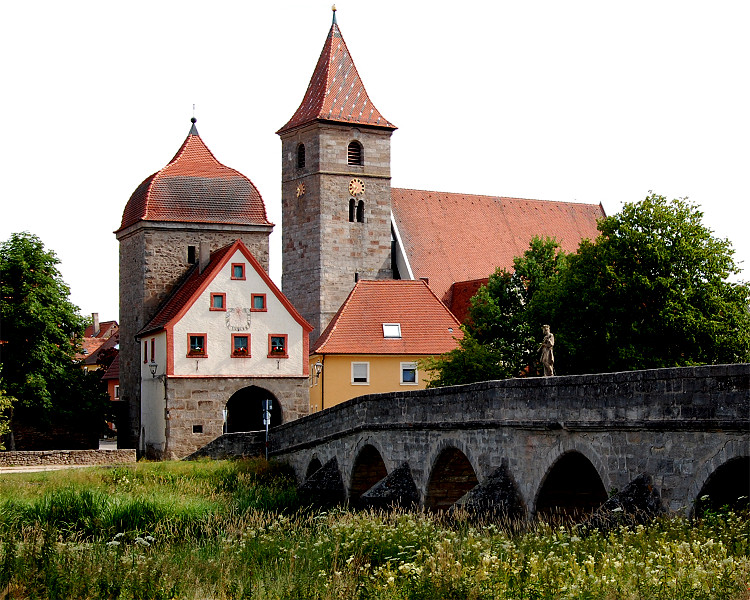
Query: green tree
<point x="41" y="330"/>
<point x="499" y="335"/>
<point x="651" y="291"/>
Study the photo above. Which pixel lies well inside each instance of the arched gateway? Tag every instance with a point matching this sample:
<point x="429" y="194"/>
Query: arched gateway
<point x="245" y="410"/>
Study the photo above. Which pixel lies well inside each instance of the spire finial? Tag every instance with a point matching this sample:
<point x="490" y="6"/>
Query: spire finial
<point x="333" y="8"/>
<point x="193" y="120"/>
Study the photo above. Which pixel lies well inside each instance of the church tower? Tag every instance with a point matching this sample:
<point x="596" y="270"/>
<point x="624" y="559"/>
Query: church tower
<point x="335" y="188"/>
<point x="173" y="220"/>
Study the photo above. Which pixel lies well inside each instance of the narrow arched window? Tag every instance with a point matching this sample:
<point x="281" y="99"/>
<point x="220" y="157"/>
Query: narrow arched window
<point x="361" y="211"/>
<point x="301" y="156"/>
<point x="352" y="209"/>
<point x="354" y="155"/>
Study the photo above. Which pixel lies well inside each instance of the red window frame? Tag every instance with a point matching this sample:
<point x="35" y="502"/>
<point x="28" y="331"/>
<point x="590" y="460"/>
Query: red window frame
<point x="153" y="349"/>
<point x="223" y="301"/>
<point x="252" y="303"/>
<point x="191" y="354"/>
<point x="145" y="352"/>
<point x="271" y="353"/>
<point x="234" y="353"/>
<point x="242" y="266"/>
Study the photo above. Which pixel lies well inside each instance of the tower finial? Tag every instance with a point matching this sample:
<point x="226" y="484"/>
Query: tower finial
<point x="333" y="8"/>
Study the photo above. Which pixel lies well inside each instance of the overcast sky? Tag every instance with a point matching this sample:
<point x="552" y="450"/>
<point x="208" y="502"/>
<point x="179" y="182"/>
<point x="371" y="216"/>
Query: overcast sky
<point x="587" y="101"/>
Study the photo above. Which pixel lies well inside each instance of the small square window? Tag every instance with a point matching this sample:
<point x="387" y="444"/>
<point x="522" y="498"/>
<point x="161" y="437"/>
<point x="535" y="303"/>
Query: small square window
<point x="238" y="270"/>
<point x="360" y="373"/>
<point x="258" y="302"/>
<point x="277" y="346"/>
<point x="391" y="330"/>
<point x="197" y="428"/>
<point x="409" y="373"/>
<point x="240" y="345"/>
<point x="218" y="301"/>
<point x="196" y="344"/>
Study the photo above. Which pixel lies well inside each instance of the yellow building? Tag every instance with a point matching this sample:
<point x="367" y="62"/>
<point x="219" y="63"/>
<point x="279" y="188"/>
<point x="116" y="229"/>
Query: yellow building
<point x="376" y="341"/>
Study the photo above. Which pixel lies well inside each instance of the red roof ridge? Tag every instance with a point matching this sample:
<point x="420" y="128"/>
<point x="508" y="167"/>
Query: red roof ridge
<point x="322" y="100"/>
<point x="395" y="189"/>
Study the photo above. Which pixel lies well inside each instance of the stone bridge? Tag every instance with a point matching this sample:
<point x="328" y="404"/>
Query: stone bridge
<point x="537" y="444"/>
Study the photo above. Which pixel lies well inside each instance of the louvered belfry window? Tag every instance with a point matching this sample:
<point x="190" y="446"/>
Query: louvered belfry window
<point x="355" y="153"/>
<point x="301" y="156"/>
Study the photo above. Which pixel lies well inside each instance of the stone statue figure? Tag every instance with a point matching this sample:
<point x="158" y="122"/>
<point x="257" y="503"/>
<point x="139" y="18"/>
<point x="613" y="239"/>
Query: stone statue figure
<point x="548" y="357"/>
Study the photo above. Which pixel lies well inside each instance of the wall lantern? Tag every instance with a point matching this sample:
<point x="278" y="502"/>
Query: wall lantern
<point x="152" y="367"/>
<point x="318" y="366"/>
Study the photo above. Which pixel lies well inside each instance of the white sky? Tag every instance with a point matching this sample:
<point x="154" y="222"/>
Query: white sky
<point x="588" y="101"/>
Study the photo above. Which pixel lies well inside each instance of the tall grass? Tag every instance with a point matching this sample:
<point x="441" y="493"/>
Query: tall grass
<point x="236" y="530"/>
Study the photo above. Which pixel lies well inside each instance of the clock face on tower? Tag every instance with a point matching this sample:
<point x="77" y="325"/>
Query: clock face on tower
<point x="300" y="190"/>
<point x="356" y="187"/>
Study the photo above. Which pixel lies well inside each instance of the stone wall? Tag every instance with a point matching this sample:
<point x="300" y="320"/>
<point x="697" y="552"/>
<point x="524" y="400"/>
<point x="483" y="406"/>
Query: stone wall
<point x="200" y="401"/>
<point x="322" y="250"/>
<point x="66" y="457"/>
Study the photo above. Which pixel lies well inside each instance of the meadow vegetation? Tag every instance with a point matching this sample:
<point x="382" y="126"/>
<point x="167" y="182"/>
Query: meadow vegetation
<point x="224" y="530"/>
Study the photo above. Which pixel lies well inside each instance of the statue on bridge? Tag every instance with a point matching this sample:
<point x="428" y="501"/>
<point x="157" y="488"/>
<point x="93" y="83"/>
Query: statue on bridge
<point x="548" y="357"/>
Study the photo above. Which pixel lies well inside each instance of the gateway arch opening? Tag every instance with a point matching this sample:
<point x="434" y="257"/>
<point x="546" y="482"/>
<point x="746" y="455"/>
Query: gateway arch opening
<point x="245" y="410"/>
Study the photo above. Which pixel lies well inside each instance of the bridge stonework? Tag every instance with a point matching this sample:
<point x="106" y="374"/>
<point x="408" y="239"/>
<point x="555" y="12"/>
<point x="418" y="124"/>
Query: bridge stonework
<point x="678" y="426"/>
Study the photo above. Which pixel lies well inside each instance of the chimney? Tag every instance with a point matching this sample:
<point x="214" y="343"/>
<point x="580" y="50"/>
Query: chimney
<point x="204" y="256"/>
<point x="95" y="328"/>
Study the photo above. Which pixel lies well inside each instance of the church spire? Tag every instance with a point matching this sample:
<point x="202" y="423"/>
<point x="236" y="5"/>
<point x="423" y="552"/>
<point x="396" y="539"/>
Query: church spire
<point x="336" y="92"/>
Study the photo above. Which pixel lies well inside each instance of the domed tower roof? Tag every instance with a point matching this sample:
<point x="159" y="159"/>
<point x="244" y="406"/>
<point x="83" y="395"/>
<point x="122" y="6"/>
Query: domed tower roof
<point x="196" y="188"/>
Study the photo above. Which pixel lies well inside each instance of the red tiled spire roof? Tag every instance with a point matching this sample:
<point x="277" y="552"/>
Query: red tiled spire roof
<point x="196" y="188"/>
<point x="458" y="237"/>
<point x="336" y="92"/>
<point x="427" y="326"/>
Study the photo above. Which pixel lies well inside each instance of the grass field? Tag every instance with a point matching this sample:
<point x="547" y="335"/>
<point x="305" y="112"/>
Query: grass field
<point x="224" y="530"/>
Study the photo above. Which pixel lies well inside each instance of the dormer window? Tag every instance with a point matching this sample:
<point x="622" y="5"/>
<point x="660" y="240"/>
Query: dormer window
<point x="391" y="330"/>
<point x="301" y="156"/>
<point x="354" y="154"/>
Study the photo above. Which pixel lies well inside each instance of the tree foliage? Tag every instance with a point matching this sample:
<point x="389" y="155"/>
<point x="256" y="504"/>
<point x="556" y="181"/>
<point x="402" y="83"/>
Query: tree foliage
<point x="41" y="330"/>
<point x="653" y="290"/>
<point x="499" y="338"/>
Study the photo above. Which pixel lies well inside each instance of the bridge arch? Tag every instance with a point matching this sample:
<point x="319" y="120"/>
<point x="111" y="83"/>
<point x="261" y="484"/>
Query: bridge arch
<point x="571" y="485"/>
<point x="313" y="466"/>
<point x="452" y="474"/>
<point x="368" y="468"/>
<point x="723" y="477"/>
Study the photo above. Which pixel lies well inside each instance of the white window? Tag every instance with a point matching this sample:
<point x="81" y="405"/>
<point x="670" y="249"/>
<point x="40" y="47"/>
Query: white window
<point x="409" y="373"/>
<point x="117" y="392"/>
<point x="360" y="373"/>
<point x="391" y="330"/>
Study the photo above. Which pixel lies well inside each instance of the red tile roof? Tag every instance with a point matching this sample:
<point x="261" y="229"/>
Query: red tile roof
<point x="106" y="329"/>
<point x="113" y="372"/>
<point x="336" y="92"/>
<point x="451" y="237"/>
<point x="461" y="294"/>
<point x="427" y="327"/>
<point x="195" y="282"/>
<point x="196" y="188"/>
